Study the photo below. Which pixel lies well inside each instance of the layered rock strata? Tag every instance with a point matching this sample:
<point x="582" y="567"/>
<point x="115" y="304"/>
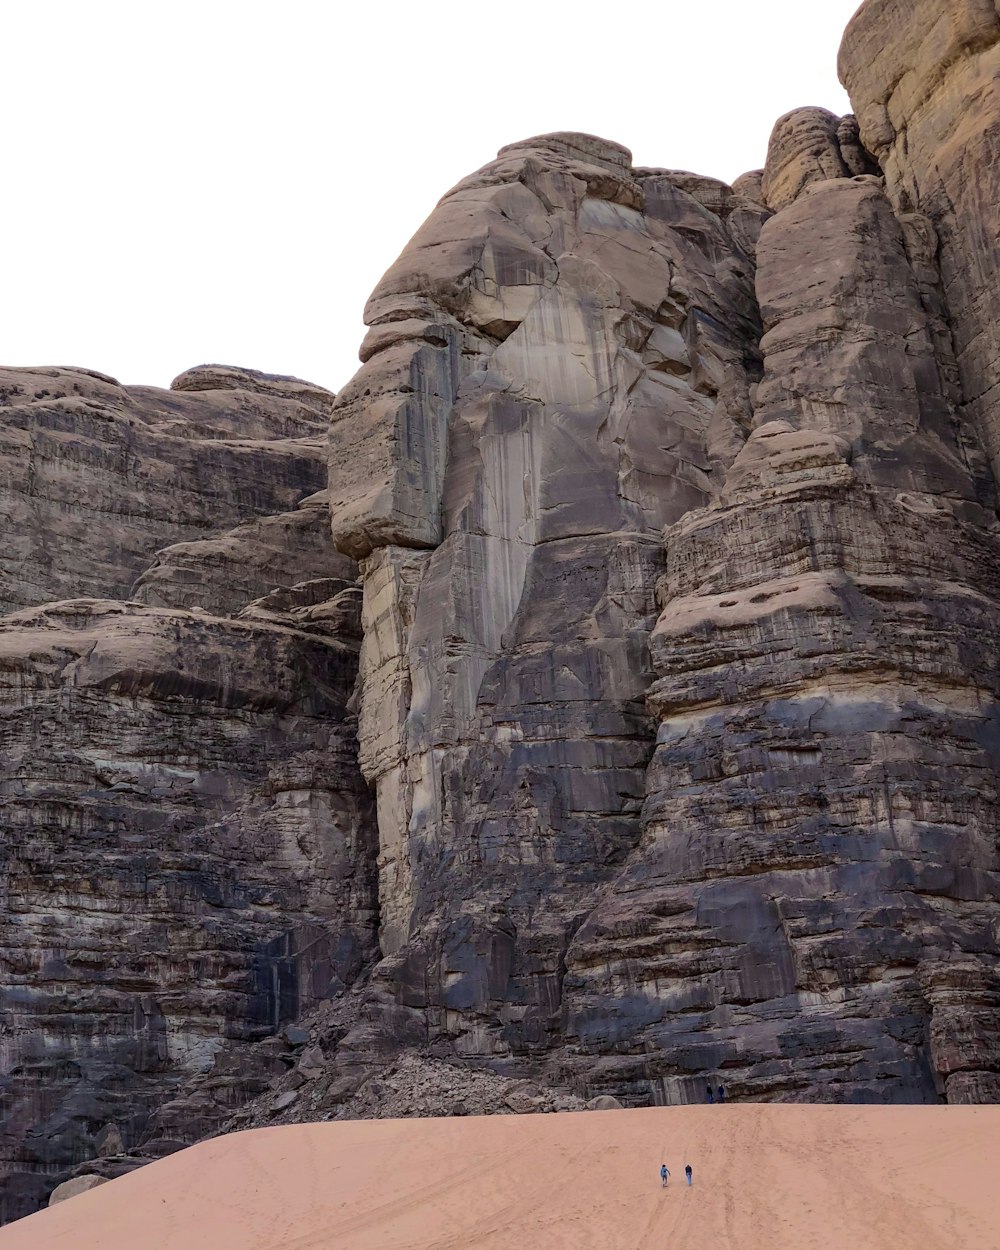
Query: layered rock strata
<point x="187" y="856"/>
<point x="813" y="873"/>
<point x="187" y="861"/>
<point x="674" y="658"/>
<point x="819" y="857"/>
<point x="96" y="477"/>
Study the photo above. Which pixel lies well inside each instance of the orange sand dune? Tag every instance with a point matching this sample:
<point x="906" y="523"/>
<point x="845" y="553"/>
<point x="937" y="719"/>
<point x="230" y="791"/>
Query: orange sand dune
<point x="766" y="1178"/>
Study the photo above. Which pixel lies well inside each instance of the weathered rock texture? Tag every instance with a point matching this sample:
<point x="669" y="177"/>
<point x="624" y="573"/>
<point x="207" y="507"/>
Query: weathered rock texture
<point x="70" y="1188"/>
<point x="811" y="145"/>
<point x="559" y="365"/>
<point x="187" y="859"/>
<point x="95" y="477"/>
<point x="924" y="77"/>
<point x="664" y="584"/>
<point x="820" y="833"/>
<point x="571" y="355"/>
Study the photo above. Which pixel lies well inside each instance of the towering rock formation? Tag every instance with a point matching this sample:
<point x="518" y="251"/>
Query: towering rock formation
<point x="812" y="878"/>
<point x="820" y="833"/>
<point x="663" y="598"/>
<point x="558" y="366"/>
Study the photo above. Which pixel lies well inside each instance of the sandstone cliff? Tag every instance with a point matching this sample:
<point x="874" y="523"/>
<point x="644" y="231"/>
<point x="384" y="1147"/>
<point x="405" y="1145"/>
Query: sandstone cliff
<point x="188" y="856"/>
<point x="608" y="705"/>
<point x="773" y="861"/>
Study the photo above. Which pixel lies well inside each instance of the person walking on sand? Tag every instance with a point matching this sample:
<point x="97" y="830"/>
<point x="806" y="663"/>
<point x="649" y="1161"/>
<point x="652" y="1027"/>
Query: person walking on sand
<point x="688" y="1173"/>
<point x="709" y="1096"/>
<point x="721" y="1095"/>
<point x="664" y="1175"/>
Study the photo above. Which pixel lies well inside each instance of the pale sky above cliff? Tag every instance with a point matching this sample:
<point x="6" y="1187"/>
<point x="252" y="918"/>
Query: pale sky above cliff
<point x="226" y="180"/>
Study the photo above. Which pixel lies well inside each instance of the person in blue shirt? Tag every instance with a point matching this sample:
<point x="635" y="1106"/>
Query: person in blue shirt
<point x="664" y="1175"/>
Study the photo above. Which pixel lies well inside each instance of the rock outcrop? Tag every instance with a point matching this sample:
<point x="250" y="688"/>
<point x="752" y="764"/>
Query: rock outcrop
<point x="819" y="667"/>
<point x="559" y="365"/>
<point x="804" y="148"/>
<point x="70" y="1188"/>
<point x="188" y="845"/>
<point x="617" y="709"/>
<point x="95" y="477"/>
<point x="924" y="78"/>
<point x="820" y="821"/>
<point x="225" y="573"/>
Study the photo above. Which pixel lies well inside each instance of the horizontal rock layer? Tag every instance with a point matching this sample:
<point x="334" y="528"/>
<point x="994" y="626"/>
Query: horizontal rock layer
<point x="186" y="843"/>
<point x="95" y="477"/>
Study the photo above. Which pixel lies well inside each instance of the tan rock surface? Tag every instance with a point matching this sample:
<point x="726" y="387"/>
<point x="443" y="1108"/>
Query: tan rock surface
<point x="849" y="348"/>
<point x="96" y="478"/>
<point x="804" y="148"/>
<point x="224" y="573"/>
<point x="924" y="79"/>
<point x="771" y="1178"/>
<point x="72" y="1188"/>
<point x="580" y="338"/>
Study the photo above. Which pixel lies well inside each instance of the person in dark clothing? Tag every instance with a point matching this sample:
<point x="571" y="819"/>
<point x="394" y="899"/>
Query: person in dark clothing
<point x="664" y="1175"/>
<point x="709" y="1096"/>
<point x="721" y="1095"/>
<point x="688" y="1173"/>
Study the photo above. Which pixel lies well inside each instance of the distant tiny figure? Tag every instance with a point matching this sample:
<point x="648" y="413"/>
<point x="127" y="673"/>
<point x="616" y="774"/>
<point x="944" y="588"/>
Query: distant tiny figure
<point x="664" y="1175"/>
<point x="709" y="1096"/>
<point x="722" y="1095"/>
<point x="688" y="1173"/>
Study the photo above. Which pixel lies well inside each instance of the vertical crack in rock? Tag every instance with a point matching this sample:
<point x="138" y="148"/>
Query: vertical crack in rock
<point x="531" y="416"/>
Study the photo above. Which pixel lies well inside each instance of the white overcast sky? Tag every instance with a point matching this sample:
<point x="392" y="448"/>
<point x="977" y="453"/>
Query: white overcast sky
<point x="226" y="181"/>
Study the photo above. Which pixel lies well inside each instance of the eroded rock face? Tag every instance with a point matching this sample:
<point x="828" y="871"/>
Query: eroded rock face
<point x="820" y="826"/>
<point x="187" y="858"/>
<point x="558" y="365"/>
<point x="809" y="145"/>
<point x="924" y="79"/>
<point x="189" y="862"/>
<point x="95" y="477"/>
<point x="849" y="347"/>
<point x="804" y="148"/>
<point x="224" y="573"/>
<point x="820" y="821"/>
<point x="70" y="1188"/>
<point x="812" y="875"/>
<point x="663" y="585"/>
